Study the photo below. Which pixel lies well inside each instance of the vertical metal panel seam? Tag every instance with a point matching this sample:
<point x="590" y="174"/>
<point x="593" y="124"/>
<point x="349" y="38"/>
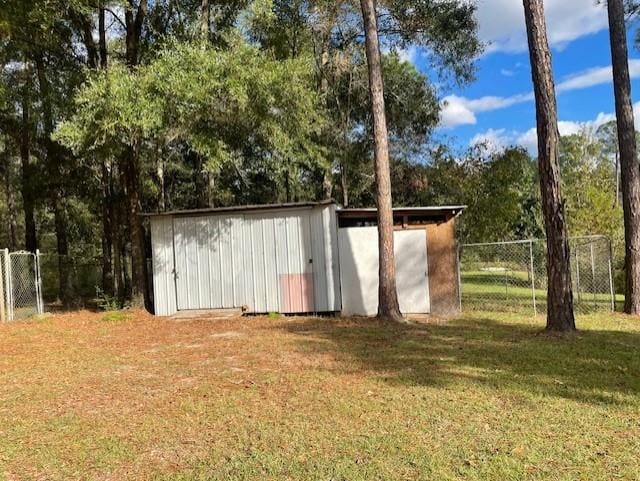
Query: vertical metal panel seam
<point x="264" y="261"/>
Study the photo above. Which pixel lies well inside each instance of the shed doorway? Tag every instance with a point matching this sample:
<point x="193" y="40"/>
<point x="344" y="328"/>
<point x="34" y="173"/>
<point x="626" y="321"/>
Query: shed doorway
<point x="359" y="270"/>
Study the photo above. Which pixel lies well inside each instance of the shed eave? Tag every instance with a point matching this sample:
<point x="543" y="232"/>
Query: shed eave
<point x="240" y="208"/>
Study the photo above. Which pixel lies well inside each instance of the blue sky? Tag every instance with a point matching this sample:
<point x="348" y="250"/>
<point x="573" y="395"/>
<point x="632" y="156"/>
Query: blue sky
<point x="498" y="107"/>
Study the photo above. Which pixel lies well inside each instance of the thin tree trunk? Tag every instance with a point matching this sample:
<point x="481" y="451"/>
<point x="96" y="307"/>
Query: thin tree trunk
<point x="629" y="167"/>
<point x="57" y="191"/>
<point x="31" y="240"/>
<point x="560" y="315"/>
<point x="205" y="20"/>
<point x="102" y="39"/>
<point x="139" y="291"/>
<point x="118" y="243"/>
<point x="134" y="21"/>
<point x="388" y="307"/>
<point x="11" y="205"/>
<point x="107" y="231"/>
<point x="162" y="203"/>
<point x="344" y="182"/>
<point x="201" y="182"/>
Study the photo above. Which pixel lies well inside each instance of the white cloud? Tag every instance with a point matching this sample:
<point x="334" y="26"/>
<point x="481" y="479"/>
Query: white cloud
<point x="494" y="140"/>
<point x="595" y="76"/>
<point x="457" y="110"/>
<point x="529" y="139"/>
<point x="507" y="73"/>
<point x="411" y="54"/>
<point x="502" y="26"/>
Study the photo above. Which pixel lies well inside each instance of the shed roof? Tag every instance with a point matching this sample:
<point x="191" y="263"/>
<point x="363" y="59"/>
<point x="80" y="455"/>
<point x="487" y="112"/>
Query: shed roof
<point x="240" y="208"/>
<point x="432" y="211"/>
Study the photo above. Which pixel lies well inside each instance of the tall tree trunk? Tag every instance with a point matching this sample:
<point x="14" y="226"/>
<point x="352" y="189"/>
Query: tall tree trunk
<point x="134" y="21"/>
<point x="201" y="182"/>
<point x="57" y="188"/>
<point x="162" y="201"/>
<point x="344" y="182"/>
<point x="117" y="227"/>
<point x="205" y="20"/>
<point x="11" y="203"/>
<point x="108" y="286"/>
<point x="139" y="291"/>
<point x="102" y="39"/>
<point x="559" y="296"/>
<point x="31" y="240"/>
<point x="629" y="166"/>
<point x="388" y="307"/>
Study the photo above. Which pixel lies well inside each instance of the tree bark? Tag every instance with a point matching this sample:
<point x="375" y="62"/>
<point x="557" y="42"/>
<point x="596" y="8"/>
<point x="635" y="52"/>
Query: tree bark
<point x="629" y="166"/>
<point x="134" y="21"/>
<point x="139" y="291"/>
<point x="205" y="20"/>
<point x="102" y="39"/>
<point x="57" y="188"/>
<point x="28" y="205"/>
<point x="108" y="285"/>
<point x="560" y="315"/>
<point x="388" y="307"/>
<point x="11" y="203"/>
<point x="201" y="182"/>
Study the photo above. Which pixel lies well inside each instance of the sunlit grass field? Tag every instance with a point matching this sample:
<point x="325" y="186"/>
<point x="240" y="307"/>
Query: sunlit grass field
<point x="483" y="397"/>
<point x="511" y="291"/>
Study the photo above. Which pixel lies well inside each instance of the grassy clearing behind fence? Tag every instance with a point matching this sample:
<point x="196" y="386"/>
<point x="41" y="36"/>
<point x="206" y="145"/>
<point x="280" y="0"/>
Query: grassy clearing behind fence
<point x="511" y="291"/>
<point x="484" y="397"/>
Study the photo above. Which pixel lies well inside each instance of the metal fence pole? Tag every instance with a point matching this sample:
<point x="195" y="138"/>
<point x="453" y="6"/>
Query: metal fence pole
<point x="613" y="295"/>
<point x="459" y="277"/>
<point x="593" y="275"/>
<point x="9" y="285"/>
<point x="533" y="279"/>
<point x="38" y="280"/>
<point x="578" y="274"/>
<point x="3" y="316"/>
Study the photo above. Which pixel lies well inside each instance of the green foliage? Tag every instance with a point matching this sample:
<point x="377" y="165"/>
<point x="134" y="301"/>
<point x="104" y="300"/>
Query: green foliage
<point x="224" y="105"/>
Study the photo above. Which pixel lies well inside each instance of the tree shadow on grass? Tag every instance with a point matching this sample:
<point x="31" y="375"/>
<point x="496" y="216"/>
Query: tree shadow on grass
<point x="596" y="366"/>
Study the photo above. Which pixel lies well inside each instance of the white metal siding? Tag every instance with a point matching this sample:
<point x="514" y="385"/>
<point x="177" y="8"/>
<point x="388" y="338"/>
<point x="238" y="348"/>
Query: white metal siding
<point x="164" y="287"/>
<point x="359" y="270"/>
<point x="245" y="260"/>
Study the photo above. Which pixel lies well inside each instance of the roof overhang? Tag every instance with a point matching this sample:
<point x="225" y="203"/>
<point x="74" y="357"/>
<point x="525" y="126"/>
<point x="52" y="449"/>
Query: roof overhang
<point x="434" y="212"/>
<point x="241" y="208"/>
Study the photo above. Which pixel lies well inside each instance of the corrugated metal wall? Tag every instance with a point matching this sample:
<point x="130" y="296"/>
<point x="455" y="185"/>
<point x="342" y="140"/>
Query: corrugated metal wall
<point x="277" y="261"/>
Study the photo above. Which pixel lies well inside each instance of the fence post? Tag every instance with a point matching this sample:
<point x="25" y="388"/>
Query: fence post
<point x="613" y="295"/>
<point x="578" y="273"/>
<point x="459" y="277"/>
<point x="593" y="275"/>
<point x="3" y="316"/>
<point x="38" y="280"/>
<point x="9" y="285"/>
<point x="533" y="279"/>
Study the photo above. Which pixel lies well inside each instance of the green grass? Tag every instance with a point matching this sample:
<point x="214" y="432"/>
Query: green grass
<point x="483" y="397"/>
<point x="511" y="292"/>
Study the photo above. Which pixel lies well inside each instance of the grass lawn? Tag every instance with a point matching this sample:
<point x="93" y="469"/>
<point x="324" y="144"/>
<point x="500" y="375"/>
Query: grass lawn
<point x="511" y="292"/>
<point x="483" y="397"/>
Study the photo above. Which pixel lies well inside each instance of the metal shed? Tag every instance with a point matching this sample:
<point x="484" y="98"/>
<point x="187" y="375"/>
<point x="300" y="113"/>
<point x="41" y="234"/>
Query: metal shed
<point x="301" y="258"/>
<point x="270" y="258"/>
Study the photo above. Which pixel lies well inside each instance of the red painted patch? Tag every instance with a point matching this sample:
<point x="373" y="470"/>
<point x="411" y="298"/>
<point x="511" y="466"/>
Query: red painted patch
<point x="297" y="293"/>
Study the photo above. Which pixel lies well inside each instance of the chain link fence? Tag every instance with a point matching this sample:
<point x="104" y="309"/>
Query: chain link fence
<point x="512" y="276"/>
<point x="71" y="281"/>
<point x="20" y="285"/>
